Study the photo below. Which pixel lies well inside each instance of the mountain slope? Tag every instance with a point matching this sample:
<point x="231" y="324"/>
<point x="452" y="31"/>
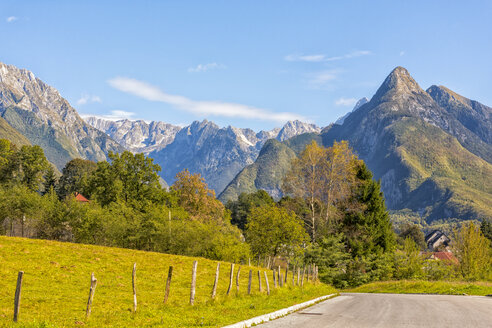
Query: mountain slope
<point x="38" y="111"/>
<point x="268" y="170"/>
<point x="11" y="134"/>
<point x="475" y="116"/>
<point x="408" y="141"/>
<point x="359" y="103"/>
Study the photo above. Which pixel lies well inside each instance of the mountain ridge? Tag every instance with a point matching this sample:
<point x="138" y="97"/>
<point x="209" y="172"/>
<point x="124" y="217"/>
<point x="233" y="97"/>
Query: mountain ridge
<point x="41" y="114"/>
<point x="412" y="144"/>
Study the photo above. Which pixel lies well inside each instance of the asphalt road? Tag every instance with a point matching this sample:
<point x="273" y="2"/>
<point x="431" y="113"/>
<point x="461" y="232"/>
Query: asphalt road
<point x="392" y="310"/>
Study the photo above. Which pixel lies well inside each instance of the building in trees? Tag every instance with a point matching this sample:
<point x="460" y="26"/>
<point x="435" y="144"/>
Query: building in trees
<point x="437" y="240"/>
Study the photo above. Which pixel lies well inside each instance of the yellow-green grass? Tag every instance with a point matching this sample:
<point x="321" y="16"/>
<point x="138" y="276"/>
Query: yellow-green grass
<point x="426" y="287"/>
<point x="57" y="278"/>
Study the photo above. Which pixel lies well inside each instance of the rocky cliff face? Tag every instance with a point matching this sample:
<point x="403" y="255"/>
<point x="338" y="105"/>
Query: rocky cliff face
<point x="218" y="154"/>
<point x="137" y="136"/>
<point x="38" y="111"/>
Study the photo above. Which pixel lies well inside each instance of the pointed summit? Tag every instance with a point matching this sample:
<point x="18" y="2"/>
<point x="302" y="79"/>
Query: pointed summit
<point x="399" y="83"/>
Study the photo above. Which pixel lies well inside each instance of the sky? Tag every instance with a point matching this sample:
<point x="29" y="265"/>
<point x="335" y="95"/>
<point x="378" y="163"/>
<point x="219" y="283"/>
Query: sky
<point x="249" y="64"/>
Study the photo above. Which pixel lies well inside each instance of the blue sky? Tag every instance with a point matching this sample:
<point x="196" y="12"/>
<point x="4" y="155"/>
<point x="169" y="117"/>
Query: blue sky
<point x="247" y="64"/>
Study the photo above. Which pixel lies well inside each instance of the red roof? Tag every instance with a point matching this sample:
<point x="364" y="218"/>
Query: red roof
<point x="80" y="198"/>
<point x="444" y="256"/>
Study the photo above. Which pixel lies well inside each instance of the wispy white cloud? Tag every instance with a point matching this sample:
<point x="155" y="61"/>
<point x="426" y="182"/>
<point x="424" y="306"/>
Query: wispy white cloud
<point x="402" y="53"/>
<point x="205" y="67"/>
<point x="321" y="79"/>
<point x="115" y="115"/>
<point x="306" y="58"/>
<point x="325" y="58"/>
<point x="207" y="108"/>
<point x="85" y="99"/>
<point x="11" y="19"/>
<point x="346" y="101"/>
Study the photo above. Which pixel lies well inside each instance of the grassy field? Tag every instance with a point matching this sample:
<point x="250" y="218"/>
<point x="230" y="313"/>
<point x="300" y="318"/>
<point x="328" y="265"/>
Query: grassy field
<point x="57" y="278"/>
<point x="426" y="287"/>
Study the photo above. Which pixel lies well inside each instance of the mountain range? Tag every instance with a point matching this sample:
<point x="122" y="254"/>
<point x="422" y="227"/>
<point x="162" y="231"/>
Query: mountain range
<point x="432" y="149"/>
<point x="218" y="154"/>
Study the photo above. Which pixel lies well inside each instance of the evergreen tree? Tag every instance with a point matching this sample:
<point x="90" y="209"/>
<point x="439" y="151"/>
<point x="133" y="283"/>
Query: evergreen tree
<point x="50" y="180"/>
<point x="366" y="223"/>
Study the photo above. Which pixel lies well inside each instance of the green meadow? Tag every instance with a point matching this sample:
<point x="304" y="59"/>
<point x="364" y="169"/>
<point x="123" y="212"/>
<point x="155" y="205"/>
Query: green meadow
<point x="57" y="280"/>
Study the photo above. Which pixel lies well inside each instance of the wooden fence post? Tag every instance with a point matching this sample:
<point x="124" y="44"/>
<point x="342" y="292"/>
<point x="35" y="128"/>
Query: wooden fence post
<point x="286" y="272"/>
<point x="249" y="281"/>
<point x="216" y="281"/>
<point x="231" y="279"/>
<point x="259" y="280"/>
<point x="274" y="278"/>
<point x="237" y="279"/>
<point x="281" y="280"/>
<point x="92" y="290"/>
<point x="278" y="277"/>
<point x="17" y="298"/>
<point x="266" y="282"/>
<point x="134" y="285"/>
<point x="168" y="283"/>
<point x="303" y="273"/>
<point x="193" y="282"/>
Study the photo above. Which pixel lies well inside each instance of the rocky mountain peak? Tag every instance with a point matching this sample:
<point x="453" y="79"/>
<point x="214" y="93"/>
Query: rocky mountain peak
<point x="293" y="128"/>
<point x="398" y="84"/>
<point x="38" y="111"/>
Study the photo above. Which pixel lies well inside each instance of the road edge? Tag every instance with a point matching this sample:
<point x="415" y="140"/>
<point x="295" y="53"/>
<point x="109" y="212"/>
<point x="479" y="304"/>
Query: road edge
<point x="279" y="313"/>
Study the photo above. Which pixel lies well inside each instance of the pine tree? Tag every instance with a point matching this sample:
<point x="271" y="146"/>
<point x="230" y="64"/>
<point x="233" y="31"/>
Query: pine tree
<point x="366" y="223"/>
<point x="50" y="180"/>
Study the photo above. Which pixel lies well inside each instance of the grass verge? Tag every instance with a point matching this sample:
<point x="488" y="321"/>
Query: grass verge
<point x="57" y="278"/>
<point x="426" y="287"/>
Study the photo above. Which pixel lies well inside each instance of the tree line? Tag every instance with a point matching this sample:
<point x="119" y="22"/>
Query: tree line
<point x="332" y="214"/>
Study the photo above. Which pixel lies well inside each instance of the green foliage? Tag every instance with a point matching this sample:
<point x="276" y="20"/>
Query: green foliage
<point x="274" y="231"/>
<point x="241" y="208"/>
<point x="129" y="177"/>
<point x="75" y="177"/>
<point x="50" y="180"/>
<point x="20" y="206"/>
<point x="330" y="255"/>
<point x="486" y="229"/>
<point x="366" y="222"/>
<point x="473" y="251"/>
<point x="409" y="262"/>
<point x="26" y="165"/>
<point x="414" y="232"/>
